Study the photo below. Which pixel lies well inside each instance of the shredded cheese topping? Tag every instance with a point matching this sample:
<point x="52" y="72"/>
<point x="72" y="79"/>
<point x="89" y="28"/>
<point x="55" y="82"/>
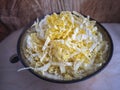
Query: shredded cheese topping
<point x="65" y="46"/>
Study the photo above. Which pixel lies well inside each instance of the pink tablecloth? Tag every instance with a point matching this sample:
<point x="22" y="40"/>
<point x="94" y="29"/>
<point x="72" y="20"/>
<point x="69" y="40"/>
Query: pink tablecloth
<point x="10" y="79"/>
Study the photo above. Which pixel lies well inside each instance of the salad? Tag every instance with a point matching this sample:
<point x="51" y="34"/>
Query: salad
<point x="65" y="46"/>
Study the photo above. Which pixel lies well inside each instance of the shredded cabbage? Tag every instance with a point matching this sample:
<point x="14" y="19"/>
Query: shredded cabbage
<point x="65" y="46"/>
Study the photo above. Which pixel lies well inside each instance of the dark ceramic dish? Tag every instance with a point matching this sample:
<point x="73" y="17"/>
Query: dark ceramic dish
<point x="20" y="55"/>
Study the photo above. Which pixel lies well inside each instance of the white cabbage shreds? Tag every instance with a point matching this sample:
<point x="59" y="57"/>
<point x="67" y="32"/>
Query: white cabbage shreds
<point x="46" y="43"/>
<point x="29" y="42"/>
<point x="65" y="46"/>
<point x="43" y="68"/>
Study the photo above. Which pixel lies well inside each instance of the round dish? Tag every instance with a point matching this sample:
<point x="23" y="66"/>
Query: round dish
<point x="21" y="46"/>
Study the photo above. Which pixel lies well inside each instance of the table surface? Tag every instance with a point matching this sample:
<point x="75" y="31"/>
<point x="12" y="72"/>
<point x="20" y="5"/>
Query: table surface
<point x="10" y="79"/>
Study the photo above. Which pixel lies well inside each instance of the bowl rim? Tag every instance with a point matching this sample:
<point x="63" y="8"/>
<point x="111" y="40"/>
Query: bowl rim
<point x="64" y="81"/>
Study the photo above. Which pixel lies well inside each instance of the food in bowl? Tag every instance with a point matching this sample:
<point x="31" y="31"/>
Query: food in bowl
<point x="65" y="46"/>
